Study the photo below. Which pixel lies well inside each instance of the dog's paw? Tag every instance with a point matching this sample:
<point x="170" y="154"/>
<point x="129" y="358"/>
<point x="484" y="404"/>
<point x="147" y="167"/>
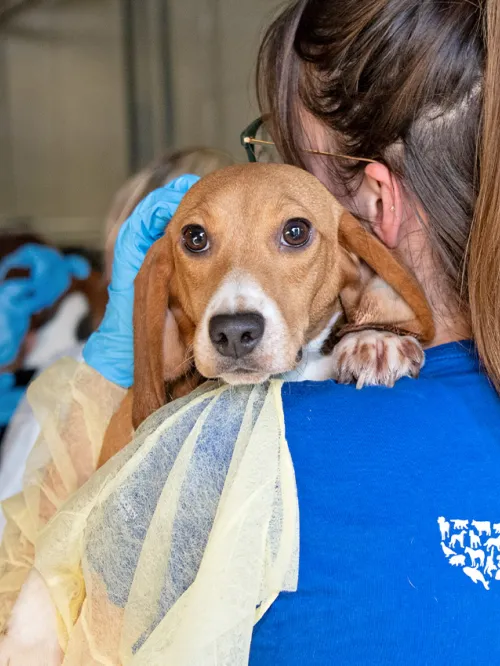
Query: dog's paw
<point x="371" y="358"/>
<point x="14" y="652"/>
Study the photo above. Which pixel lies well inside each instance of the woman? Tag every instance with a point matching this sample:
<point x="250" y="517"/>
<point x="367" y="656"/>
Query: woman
<point x="393" y="483"/>
<point x="398" y="489"/>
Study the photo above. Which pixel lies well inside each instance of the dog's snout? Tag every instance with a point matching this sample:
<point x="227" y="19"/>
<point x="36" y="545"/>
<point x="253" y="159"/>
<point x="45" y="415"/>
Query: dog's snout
<point x="236" y="335"/>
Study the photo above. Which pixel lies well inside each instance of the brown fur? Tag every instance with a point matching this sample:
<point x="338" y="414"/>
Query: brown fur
<point x="243" y="209"/>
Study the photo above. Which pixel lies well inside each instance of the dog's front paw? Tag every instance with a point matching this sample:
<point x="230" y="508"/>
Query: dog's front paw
<point x="371" y="358"/>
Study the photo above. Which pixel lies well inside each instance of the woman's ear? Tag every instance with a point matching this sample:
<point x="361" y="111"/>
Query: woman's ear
<point x="382" y="203"/>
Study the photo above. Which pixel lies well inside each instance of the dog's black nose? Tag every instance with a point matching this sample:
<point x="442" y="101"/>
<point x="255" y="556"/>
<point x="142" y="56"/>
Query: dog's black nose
<point x="236" y="335"/>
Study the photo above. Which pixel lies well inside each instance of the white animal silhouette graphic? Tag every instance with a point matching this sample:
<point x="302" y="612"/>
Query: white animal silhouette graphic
<point x="475" y="555"/>
<point x="482" y="526"/>
<point x="447" y="551"/>
<point x="476" y="576"/>
<point x="492" y="542"/>
<point x="475" y="540"/>
<point x="444" y="527"/>
<point x="460" y="524"/>
<point x="458" y="561"/>
<point x="457" y="538"/>
<point x="496" y="527"/>
<point x="497" y="575"/>
<point x="490" y="565"/>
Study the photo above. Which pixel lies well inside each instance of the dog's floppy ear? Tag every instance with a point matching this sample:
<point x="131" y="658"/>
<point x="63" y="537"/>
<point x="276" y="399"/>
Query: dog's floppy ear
<point x="151" y="300"/>
<point x="390" y="299"/>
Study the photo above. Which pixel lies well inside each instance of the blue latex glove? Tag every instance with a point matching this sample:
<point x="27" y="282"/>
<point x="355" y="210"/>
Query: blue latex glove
<point x="110" y="350"/>
<point x="51" y="272"/>
<point x="15" y="318"/>
<point x="10" y="396"/>
<point x="50" y="276"/>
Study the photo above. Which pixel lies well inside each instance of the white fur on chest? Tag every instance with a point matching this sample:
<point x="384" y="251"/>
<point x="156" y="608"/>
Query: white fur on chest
<point x="314" y="366"/>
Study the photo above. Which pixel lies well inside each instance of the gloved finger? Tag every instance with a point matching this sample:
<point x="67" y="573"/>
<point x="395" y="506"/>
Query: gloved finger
<point x="77" y="266"/>
<point x="23" y="257"/>
<point x="38" y="259"/>
<point x="42" y="261"/>
<point x="17" y="294"/>
<point x="146" y="224"/>
<point x="158" y="208"/>
<point x="183" y="183"/>
<point x="49" y="276"/>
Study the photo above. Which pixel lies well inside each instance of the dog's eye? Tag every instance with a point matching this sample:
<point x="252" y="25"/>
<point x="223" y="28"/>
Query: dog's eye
<point x="296" y="232"/>
<point x="195" y="238"/>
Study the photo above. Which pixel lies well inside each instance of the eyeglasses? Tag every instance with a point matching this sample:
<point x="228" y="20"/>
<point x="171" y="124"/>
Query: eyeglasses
<point x="257" y="143"/>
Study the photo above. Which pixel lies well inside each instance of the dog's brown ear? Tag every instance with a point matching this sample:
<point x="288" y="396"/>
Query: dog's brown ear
<point x="399" y="304"/>
<point x="150" y="314"/>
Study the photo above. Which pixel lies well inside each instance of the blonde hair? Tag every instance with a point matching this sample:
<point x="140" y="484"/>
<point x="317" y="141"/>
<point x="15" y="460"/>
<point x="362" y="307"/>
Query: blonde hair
<point x="197" y="161"/>
<point x="484" y="242"/>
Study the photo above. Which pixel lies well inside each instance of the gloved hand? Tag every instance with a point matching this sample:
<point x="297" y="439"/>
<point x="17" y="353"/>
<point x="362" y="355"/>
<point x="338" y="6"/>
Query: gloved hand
<point x="50" y="276"/>
<point x="110" y="350"/>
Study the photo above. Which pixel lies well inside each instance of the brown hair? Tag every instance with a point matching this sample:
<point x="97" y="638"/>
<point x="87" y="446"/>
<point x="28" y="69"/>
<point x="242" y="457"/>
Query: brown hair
<point x="197" y="161"/>
<point x="416" y="86"/>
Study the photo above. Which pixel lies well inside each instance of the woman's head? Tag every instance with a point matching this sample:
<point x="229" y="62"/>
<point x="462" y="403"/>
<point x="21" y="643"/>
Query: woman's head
<point x="198" y="161"/>
<point x="413" y="85"/>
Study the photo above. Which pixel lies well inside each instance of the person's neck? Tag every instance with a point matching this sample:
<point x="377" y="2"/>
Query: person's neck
<point x="450" y="329"/>
<point x="451" y="319"/>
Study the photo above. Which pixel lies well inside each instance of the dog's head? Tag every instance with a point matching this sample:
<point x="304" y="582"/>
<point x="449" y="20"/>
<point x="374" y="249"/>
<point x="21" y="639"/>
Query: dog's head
<point x="248" y="271"/>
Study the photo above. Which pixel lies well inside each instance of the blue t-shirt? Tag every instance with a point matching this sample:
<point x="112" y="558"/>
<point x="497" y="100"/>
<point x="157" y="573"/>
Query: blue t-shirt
<point x="399" y="493"/>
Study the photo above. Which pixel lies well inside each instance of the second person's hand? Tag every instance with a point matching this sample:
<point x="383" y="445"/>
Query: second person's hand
<point x="110" y="350"/>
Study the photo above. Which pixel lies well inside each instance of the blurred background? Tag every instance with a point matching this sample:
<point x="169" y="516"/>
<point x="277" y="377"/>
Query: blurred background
<point x="92" y="90"/>
<point x="100" y="103"/>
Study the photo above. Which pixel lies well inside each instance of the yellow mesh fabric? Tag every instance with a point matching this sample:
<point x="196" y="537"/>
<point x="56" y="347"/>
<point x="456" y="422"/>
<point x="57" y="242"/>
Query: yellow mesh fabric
<point x="172" y="551"/>
<point x="73" y="405"/>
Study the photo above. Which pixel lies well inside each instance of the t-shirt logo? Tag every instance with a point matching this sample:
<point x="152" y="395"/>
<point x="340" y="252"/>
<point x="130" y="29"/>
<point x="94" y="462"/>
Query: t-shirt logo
<point x="474" y="546"/>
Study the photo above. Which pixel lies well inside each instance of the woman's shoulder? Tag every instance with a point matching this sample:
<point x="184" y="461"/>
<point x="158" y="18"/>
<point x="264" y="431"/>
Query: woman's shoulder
<point x="451" y="389"/>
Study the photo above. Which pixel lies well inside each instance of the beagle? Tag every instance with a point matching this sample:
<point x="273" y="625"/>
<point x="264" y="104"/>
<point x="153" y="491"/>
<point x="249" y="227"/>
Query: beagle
<point x="260" y="273"/>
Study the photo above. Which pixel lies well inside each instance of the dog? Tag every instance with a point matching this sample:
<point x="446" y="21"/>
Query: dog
<point x="475" y="540"/>
<point x="457" y="538"/>
<point x="260" y="273"/>
<point x="444" y="528"/>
